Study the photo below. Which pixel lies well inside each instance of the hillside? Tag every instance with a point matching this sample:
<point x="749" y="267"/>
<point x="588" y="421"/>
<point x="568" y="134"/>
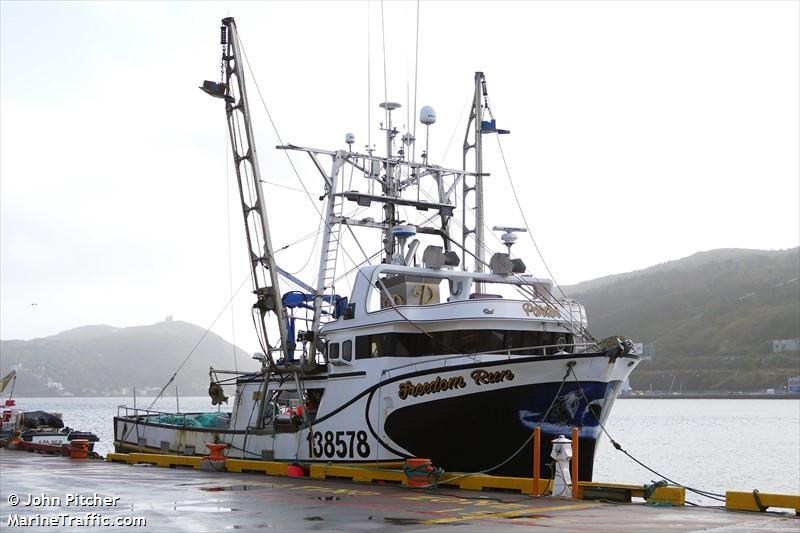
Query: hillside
<point x="711" y="316"/>
<point x="108" y="361"/>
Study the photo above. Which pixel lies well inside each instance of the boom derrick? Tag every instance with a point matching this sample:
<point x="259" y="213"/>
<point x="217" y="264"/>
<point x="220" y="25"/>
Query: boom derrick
<point x="264" y="270"/>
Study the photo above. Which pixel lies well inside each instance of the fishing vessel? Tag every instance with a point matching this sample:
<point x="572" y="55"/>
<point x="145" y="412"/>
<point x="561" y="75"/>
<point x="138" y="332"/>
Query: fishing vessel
<point x="36" y="431"/>
<point x="443" y="349"/>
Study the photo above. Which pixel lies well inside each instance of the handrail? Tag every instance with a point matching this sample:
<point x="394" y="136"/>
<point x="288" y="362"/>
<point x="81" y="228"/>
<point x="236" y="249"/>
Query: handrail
<point x="493" y="352"/>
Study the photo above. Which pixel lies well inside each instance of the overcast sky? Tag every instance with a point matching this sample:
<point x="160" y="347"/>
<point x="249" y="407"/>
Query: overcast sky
<point x="642" y="132"/>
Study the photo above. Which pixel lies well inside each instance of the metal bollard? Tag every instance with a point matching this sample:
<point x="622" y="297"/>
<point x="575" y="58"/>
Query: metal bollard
<point x="561" y="453"/>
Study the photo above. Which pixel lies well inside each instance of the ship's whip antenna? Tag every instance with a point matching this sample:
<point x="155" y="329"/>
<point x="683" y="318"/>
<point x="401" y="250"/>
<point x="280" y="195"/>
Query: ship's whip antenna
<point x="416" y="70"/>
<point x="385" y="83"/>
<point x="369" y="86"/>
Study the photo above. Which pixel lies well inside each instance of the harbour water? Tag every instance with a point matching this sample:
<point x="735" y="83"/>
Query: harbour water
<point x="713" y="445"/>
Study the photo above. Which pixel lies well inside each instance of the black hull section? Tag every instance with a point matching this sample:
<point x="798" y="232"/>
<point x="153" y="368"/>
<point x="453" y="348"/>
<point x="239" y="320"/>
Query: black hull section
<point x="28" y="436"/>
<point x="475" y="432"/>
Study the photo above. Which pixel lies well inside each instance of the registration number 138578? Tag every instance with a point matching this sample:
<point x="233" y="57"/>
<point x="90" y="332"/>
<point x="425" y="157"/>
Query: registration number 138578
<point x="340" y="444"/>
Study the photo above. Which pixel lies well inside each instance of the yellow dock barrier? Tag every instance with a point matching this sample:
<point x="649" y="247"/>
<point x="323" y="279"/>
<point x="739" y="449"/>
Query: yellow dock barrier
<point x="361" y="474"/>
<point x="760" y="501"/>
<point x="357" y="473"/>
<point x="522" y="485"/>
<point x="671" y="495"/>
<point x="270" y="468"/>
<point x="392" y="473"/>
<point x="156" y="459"/>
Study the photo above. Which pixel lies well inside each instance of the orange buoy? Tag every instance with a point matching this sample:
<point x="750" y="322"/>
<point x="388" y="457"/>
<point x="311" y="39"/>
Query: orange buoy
<point x="79" y="449"/>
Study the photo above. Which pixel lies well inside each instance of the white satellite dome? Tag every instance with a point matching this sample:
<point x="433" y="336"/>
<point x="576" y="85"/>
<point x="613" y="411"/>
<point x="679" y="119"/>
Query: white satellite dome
<point x="427" y="115"/>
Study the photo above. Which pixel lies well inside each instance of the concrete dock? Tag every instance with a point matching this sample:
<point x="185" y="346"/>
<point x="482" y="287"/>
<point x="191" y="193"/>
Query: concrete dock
<point x="46" y="493"/>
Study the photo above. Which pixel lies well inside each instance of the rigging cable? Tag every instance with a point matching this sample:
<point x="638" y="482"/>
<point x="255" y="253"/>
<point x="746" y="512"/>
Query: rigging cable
<point x="618" y="446"/>
<point x="274" y="127"/>
<point x="203" y="336"/>
<point x="313" y="247"/>
<point x="525" y="290"/>
<point x="277" y="134"/>
<point x="282" y="186"/>
<point x="522" y="290"/>
<point x="456" y="129"/>
<point x="519" y="206"/>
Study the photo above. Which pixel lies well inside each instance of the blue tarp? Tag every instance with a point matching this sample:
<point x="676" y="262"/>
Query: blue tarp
<point x="201" y="420"/>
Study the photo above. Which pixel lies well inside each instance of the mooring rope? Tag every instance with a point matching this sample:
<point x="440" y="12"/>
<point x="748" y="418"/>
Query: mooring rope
<point x="618" y="446"/>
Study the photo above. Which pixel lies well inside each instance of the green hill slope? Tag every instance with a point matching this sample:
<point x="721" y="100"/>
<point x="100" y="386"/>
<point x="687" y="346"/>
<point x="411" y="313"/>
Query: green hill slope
<point x="109" y="361"/>
<point x="711" y="316"/>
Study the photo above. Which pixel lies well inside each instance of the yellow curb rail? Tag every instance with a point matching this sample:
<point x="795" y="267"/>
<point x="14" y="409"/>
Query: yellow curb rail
<point x="760" y="501"/>
<point x="155" y="459"/>
<point x="483" y="482"/>
<point x="361" y="474"/>
<point x="357" y="474"/>
<point x="270" y="468"/>
<point x="669" y="495"/>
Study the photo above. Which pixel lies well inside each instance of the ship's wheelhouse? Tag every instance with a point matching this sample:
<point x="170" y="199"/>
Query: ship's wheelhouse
<point x="401" y="311"/>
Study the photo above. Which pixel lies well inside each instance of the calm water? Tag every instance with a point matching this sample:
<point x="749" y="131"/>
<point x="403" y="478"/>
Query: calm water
<point x="714" y="445"/>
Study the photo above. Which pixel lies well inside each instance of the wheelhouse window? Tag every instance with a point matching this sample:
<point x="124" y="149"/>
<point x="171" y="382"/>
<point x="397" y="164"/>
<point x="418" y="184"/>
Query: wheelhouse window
<point x="463" y="341"/>
<point x="347" y="350"/>
<point x="333" y="350"/>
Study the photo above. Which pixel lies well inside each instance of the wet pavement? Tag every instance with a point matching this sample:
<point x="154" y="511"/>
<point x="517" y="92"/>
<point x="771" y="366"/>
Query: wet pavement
<point x="44" y="493"/>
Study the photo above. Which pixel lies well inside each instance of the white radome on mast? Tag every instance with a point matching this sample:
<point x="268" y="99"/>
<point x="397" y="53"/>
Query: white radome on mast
<point x="427" y="116"/>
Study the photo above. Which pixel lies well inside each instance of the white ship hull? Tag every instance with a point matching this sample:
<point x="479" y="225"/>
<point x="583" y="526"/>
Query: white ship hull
<point x="468" y="414"/>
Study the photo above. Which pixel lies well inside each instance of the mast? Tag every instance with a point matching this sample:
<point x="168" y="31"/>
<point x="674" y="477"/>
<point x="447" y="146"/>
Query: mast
<point x="474" y="126"/>
<point x="264" y="271"/>
<point x="390" y="186"/>
<point x="477" y="110"/>
<point x="478" y="127"/>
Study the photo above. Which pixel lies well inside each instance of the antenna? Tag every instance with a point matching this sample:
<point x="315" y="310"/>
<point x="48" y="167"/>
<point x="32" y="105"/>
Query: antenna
<point x="408" y="139"/>
<point x="509" y="237"/>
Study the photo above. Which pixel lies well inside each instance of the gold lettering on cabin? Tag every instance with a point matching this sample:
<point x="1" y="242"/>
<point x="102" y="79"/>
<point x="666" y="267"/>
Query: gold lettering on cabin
<point x="430" y="387"/>
<point x="540" y="310"/>
<point x="424" y="294"/>
<point x="484" y="377"/>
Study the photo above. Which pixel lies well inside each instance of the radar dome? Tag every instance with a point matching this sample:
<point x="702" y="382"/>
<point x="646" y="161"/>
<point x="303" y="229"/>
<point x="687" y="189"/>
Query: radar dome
<point x="427" y="115"/>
